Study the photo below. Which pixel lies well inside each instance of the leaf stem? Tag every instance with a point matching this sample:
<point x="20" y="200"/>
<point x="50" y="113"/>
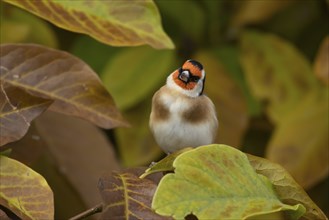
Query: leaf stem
<point x="89" y="212"/>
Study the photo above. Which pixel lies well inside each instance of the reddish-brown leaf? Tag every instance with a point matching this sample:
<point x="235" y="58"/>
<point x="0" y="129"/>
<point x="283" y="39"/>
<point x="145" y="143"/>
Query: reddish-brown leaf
<point x="81" y="151"/>
<point x="59" y="76"/>
<point x="127" y="197"/>
<point x="17" y="110"/>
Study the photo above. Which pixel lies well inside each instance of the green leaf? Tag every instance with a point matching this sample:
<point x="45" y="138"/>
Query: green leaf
<point x="18" y="26"/>
<point x="276" y="72"/>
<point x="287" y="189"/>
<point x="17" y="110"/>
<point x="59" y="76"/>
<point x="117" y="23"/>
<point x="166" y="164"/>
<point x="217" y="182"/>
<point x="93" y="52"/>
<point x="180" y="14"/>
<point x="24" y="191"/>
<point x="134" y="73"/>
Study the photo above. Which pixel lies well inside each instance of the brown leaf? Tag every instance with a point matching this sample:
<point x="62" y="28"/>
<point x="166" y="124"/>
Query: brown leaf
<point x="53" y="74"/>
<point x="17" y="110"/>
<point x="3" y="215"/>
<point x="28" y="149"/>
<point x="80" y="150"/>
<point x="228" y="99"/>
<point x="127" y="197"/>
<point x="287" y="189"/>
<point x="321" y="65"/>
<point x="24" y="191"/>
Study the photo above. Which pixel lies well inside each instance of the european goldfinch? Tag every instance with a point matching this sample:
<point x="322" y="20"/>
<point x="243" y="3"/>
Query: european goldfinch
<point x="182" y="116"/>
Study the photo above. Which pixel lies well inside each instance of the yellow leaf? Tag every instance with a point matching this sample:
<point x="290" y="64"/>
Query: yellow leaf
<point x="24" y="191"/>
<point x="118" y="23"/>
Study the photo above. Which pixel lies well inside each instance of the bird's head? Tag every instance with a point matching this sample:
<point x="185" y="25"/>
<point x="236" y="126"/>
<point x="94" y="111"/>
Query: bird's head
<point x="188" y="79"/>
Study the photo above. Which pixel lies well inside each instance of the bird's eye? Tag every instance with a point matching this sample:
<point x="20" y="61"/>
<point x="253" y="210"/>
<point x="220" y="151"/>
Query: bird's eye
<point x="194" y="78"/>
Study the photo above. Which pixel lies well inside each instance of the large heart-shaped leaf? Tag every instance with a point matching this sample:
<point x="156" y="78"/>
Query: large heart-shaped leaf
<point x="286" y="188"/>
<point x="118" y="23"/>
<point x="17" y="110"/>
<point x="59" y="76"/>
<point x="217" y="182"/>
<point x="24" y="191"/>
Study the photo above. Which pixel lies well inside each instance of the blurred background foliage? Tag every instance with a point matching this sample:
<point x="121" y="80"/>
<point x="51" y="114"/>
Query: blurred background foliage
<point x="265" y="73"/>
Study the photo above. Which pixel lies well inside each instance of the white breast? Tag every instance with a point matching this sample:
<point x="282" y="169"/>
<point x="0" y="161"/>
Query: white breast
<point x="175" y="133"/>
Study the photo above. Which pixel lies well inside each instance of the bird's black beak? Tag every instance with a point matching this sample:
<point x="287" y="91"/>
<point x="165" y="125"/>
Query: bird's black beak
<point x="184" y="75"/>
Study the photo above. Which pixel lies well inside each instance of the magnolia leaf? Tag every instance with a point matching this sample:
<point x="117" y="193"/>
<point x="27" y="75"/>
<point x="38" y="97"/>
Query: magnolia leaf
<point x="91" y="149"/>
<point x="117" y="23"/>
<point x="136" y="144"/>
<point x="252" y="12"/>
<point x="287" y="189"/>
<point x="18" y="26"/>
<point x="229" y="101"/>
<point x="300" y="143"/>
<point x="24" y="191"/>
<point x="166" y="164"/>
<point x="321" y="65"/>
<point x="217" y="182"/>
<point x="53" y="74"/>
<point x="147" y="69"/>
<point x="127" y="197"/>
<point x="17" y="110"/>
<point x="276" y="72"/>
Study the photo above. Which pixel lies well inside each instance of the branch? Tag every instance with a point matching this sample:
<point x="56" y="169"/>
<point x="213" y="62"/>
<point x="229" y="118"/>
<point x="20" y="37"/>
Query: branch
<point x="89" y="212"/>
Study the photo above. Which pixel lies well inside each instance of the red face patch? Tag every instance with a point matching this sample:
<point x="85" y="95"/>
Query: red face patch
<point x="180" y="83"/>
<point x="194" y="70"/>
